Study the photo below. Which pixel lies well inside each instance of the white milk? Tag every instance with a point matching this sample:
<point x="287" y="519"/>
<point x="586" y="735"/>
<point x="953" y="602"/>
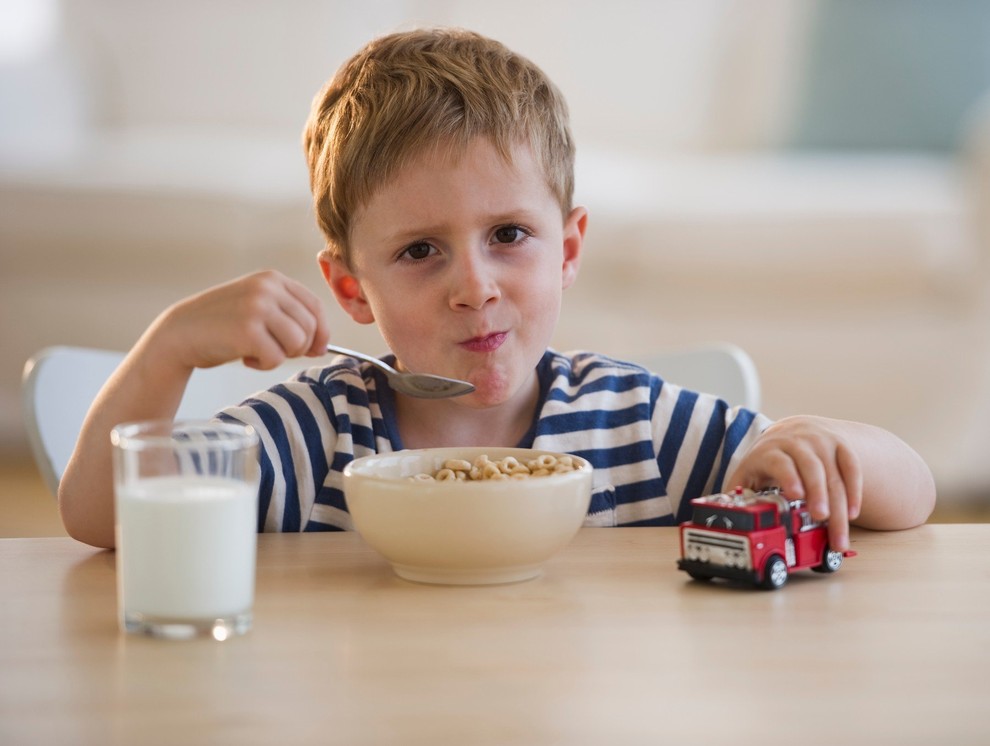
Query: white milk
<point x="186" y="547"/>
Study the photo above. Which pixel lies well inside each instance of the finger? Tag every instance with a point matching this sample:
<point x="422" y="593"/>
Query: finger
<point x="320" y="331"/>
<point x="292" y="337"/>
<point x="838" y="525"/>
<point x="295" y="324"/>
<point x="763" y="468"/>
<point x="280" y="323"/>
<point x="852" y="476"/>
<point x="320" y="337"/>
<point x="838" y="519"/>
<point x="264" y="351"/>
<point x="815" y="479"/>
<point x="290" y="320"/>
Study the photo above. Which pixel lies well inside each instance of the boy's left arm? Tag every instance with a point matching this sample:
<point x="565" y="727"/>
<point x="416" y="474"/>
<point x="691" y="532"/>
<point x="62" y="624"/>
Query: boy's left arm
<point x="847" y="471"/>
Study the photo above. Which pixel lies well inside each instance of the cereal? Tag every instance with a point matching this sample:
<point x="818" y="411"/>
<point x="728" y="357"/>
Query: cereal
<point x="546" y="461"/>
<point x="485" y="469"/>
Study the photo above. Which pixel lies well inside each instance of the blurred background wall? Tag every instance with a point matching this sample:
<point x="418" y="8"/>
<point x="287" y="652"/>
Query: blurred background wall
<point x="805" y="178"/>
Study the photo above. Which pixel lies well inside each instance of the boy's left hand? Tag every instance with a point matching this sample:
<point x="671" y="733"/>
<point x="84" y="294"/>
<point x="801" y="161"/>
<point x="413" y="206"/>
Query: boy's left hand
<point x="806" y="458"/>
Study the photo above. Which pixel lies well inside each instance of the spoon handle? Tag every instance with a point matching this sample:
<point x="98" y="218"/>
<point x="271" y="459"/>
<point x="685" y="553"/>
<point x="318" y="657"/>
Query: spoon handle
<point x="361" y="356"/>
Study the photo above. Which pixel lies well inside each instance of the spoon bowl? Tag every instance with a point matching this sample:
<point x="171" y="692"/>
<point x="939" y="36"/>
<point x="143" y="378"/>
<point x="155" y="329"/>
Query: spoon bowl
<point x="420" y="385"/>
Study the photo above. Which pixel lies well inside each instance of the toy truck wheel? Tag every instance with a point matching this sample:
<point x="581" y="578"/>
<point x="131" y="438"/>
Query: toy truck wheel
<point x="831" y="561"/>
<point x="775" y="573"/>
<point x="699" y="576"/>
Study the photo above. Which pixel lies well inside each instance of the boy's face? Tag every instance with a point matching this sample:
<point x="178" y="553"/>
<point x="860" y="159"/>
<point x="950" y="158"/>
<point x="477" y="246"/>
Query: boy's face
<point x="462" y="264"/>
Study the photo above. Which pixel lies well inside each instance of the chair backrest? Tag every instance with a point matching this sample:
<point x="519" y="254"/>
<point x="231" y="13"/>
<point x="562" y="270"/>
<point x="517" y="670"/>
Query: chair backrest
<point x="60" y="384"/>
<point x="719" y="368"/>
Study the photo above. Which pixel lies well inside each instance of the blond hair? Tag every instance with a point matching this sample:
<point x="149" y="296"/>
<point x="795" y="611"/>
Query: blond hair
<point x="409" y="92"/>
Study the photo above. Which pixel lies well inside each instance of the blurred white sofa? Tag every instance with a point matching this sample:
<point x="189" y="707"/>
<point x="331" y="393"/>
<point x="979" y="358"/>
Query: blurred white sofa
<point x="157" y="151"/>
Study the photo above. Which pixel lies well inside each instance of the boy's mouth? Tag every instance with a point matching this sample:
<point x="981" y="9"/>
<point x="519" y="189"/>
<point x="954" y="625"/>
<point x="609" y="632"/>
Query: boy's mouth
<point x="486" y="343"/>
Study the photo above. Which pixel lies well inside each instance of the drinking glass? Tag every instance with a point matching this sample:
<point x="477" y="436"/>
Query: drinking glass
<point x="186" y="498"/>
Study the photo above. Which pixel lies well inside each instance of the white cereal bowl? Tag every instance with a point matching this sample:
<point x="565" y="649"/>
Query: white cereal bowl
<point x="464" y="533"/>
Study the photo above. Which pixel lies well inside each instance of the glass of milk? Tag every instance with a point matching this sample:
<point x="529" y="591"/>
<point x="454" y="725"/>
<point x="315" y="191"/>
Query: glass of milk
<point x="186" y="527"/>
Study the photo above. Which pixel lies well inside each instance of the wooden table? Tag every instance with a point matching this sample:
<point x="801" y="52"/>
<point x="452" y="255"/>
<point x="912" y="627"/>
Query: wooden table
<point x="612" y="645"/>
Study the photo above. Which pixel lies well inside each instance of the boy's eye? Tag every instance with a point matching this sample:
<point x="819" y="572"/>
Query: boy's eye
<point x="419" y="251"/>
<point x="508" y="234"/>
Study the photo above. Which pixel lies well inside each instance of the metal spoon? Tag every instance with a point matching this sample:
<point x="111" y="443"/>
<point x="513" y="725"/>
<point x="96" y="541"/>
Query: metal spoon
<point x="422" y="385"/>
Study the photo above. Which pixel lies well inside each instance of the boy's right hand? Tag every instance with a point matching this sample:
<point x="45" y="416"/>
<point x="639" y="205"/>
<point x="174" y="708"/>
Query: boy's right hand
<point x="262" y="318"/>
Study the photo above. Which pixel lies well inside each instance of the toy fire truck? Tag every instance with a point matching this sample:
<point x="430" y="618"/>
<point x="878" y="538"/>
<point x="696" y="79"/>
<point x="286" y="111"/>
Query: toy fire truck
<point x="759" y="537"/>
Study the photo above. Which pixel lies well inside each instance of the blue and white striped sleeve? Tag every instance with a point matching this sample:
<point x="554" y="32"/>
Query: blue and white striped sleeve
<point x="296" y="430"/>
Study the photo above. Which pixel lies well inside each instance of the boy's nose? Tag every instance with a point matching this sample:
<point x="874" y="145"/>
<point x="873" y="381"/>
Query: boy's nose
<point x="473" y="283"/>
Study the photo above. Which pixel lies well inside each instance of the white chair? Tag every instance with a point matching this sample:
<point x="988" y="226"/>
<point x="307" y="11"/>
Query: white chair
<point x="60" y="383"/>
<point x="717" y="368"/>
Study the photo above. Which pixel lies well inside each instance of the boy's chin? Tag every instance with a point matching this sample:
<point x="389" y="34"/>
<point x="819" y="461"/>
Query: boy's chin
<point x="494" y="388"/>
<point x="484" y="395"/>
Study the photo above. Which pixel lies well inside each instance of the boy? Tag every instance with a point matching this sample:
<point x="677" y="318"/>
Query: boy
<point x="441" y="166"/>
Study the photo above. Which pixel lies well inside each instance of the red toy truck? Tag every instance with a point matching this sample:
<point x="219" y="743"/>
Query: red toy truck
<point x="758" y="537"/>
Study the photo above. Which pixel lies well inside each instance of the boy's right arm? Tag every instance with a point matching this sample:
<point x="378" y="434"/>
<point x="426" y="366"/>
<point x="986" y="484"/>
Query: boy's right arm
<point x="261" y="319"/>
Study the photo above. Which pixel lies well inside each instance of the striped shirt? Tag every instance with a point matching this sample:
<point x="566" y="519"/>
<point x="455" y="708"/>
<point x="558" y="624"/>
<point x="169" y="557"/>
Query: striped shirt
<point x="654" y="446"/>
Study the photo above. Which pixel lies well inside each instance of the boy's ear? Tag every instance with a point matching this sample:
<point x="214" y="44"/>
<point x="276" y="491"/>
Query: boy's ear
<point x="574" y="227"/>
<point x="346" y="288"/>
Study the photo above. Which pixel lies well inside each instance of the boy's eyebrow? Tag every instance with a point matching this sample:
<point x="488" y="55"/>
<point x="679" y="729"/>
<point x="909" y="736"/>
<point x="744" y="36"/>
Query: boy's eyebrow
<point x="521" y="215"/>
